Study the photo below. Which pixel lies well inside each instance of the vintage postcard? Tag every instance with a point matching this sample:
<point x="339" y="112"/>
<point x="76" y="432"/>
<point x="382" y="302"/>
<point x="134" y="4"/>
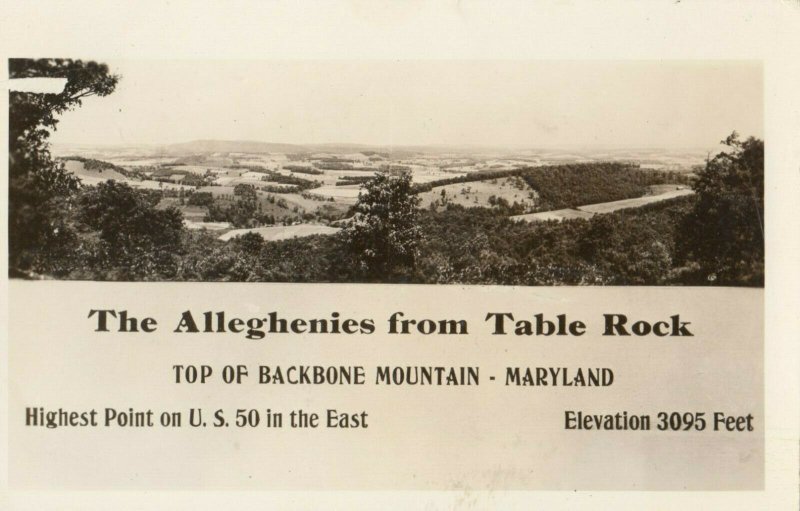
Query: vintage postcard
<point x="424" y="278"/>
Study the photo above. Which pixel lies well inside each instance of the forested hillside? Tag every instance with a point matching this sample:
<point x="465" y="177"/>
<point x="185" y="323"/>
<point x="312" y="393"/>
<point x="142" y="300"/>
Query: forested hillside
<point x="471" y="246"/>
<point x="571" y="185"/>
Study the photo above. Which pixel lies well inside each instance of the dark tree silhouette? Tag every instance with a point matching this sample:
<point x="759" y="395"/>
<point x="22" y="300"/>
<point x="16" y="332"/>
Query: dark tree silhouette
<point x="39" y="186"/>
<point x="722" y="238"/>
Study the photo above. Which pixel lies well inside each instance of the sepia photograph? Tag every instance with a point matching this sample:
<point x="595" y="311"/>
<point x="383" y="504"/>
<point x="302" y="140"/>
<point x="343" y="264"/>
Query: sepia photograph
<point x="417" y="254"/>
<point x="440" y="172"/>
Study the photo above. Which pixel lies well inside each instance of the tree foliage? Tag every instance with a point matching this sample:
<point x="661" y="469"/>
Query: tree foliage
<point x="384" y="234"/>
<point x="40" y="188"/>
<point x="722" y="239"/>
<point x="136" y="241"/>
<point x="467" y="246"/>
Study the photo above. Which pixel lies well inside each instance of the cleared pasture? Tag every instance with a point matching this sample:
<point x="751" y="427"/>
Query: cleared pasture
<point x="194" y="169"/>
<point x="661" y="192"/>
<point x="95" y="177"/>
<point x="158" y="185"/>
<point x="255" y="181"/>
<point x="659" y="189"/>
<point x="216" y="191"/>
<point x="211" y="226"/>
<point x="79" y="169"/>
<point x="277" y="233"/>
<point x="425" y="174"/>
<point x="140" y="162"/>
<point x="609" y="207"/>
<point x="346" y="194"/>
<point x="558" y="214"/>
<point x="477" y="193"/>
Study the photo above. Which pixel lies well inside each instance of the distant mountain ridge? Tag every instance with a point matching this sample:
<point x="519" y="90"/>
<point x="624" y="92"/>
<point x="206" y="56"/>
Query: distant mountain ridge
<point x="231" y="146"/>
<point x="211" y="146"/>
<point x="252" y="146"/>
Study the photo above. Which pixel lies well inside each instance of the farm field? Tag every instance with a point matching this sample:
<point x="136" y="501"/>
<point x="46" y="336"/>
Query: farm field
<point x="156" y="185"/>
<point x="558" y="214"/>
<point x="317" y="201"/>
<point x="662" y="192"/>
<point x="346" y="194"/>
<point x="422" y="174"/>
<point x="238" y="180"/>
<point x="128" y="162"/>
<point x="608" y="207"/>
<point x="659" y="189"/>
<point x="216" y="191"/>
<point x="478" y="193"/>
<point x="282" y="232"/>
<point x="93" y="177"/>
<point x="79" y="169"/>
<point x="194" y="169"/>
<point x="211" y="226"/>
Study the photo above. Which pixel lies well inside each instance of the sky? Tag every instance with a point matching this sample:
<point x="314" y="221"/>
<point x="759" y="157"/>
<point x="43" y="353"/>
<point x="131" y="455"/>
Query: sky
<point x="520" y="104"/>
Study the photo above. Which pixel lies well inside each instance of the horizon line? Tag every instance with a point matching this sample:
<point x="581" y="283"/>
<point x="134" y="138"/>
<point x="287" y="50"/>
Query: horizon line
<point x="300" y="145"/>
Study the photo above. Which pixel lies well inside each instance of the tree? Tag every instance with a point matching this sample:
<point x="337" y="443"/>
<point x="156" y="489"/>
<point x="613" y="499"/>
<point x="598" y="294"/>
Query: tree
<point x="245" y="190"/>
<point x="383" y="235"/>
<point x="722" y="239"/>
<point x="137" y="241"/>
<point x="249" y="243"/>
<point x="204" y="199"/>
<point x="40" y="189"/>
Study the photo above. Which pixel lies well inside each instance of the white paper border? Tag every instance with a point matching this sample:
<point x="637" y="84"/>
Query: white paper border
<point x="381" y="29"/>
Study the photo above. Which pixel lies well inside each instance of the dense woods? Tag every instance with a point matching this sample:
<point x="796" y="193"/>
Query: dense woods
<point x="467" y="246"/>
<point x="639" y="246"/>
<point x="568" y="186"/>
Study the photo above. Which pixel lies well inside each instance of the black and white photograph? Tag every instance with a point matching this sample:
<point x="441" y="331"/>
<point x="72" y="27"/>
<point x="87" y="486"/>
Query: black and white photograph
<point x="400" y="254"/>
<point x="521" y="173"/>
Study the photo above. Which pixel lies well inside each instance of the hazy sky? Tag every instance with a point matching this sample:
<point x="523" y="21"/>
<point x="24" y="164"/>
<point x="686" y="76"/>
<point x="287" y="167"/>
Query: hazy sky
<point x="492" y="103"/>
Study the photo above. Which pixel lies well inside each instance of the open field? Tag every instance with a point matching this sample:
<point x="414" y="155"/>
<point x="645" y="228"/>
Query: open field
<point x="282" y="232"/>
<point x="233" y="181"/>
<point x="478" y="193"/>
<point x="94" y="177"/>
<point x="194" y="169"/>
<point x="211" y="226"/>
<point x="659" y="189"/>
<point x="663" y="192"/>
<point x="558" y="214"/>
<point x="143" y="162"/>
<point x="424" y="174"/>
<point x="79" y="169"/>
<point x="608" y="207"/>
<point x="346" y="194"/>
<point x="156" y="185"/>
<point x="216" y="191"/>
